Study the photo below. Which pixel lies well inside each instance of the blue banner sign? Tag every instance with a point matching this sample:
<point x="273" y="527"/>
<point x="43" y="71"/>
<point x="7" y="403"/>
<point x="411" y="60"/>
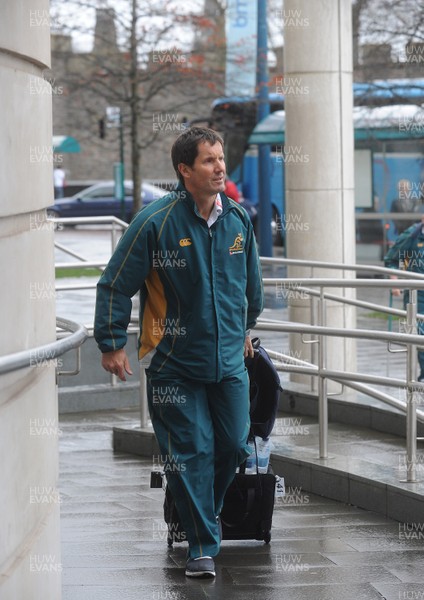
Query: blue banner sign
<point x="241" y="28"/>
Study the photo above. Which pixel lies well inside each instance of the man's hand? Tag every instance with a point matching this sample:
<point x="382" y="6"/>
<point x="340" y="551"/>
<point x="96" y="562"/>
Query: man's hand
<point x="248" y="348"/>
<point x="117" y="362"/>
<point x="395" y="291"/>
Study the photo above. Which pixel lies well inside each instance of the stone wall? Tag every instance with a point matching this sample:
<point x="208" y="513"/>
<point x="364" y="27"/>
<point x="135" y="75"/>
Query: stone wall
<point x="29" y="527"/>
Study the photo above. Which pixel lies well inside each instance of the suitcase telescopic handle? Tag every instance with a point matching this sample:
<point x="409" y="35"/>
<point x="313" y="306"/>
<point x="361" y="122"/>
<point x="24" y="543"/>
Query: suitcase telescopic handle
<point x="256" y="342"/>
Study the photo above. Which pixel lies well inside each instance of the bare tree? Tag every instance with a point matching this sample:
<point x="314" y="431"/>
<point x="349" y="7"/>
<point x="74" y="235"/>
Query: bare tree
<point x="137" y="66"/>
<point x="389" y="34"/>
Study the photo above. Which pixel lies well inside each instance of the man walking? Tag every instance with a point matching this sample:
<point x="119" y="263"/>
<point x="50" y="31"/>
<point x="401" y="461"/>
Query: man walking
<point x="404" y="203"/>
<point x="59" y="182"/>
<point x="408" y="253"/>
<point x="193" y="257"/>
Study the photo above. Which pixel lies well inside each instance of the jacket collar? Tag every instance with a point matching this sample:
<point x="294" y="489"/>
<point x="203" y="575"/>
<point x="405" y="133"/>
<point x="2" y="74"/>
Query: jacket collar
<point x="183" y="194"/>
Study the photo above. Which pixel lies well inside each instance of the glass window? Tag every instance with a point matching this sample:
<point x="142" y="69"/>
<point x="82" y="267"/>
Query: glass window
<point x="99" y="192"/>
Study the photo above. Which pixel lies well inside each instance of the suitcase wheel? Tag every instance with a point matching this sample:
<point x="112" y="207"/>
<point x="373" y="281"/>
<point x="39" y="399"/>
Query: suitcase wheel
<point x="267" y="537"/>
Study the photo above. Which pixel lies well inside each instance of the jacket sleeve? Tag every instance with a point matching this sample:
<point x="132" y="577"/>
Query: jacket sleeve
<point x="254" y="287"/>
<point x="123" y="277"/>
<point x="394" y="257"/>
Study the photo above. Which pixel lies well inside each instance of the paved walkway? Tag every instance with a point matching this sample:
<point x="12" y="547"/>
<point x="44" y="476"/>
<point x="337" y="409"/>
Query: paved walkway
<point x="114" y="539"/>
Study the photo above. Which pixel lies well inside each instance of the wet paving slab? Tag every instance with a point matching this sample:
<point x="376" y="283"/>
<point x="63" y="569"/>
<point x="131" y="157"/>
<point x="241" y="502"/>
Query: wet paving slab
<point x="114" y="539"/>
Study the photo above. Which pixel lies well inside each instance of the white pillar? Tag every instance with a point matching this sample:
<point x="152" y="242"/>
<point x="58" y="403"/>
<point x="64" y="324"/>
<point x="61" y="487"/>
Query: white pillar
<point x="29" y="525"/>
<point x="319" y="156"/>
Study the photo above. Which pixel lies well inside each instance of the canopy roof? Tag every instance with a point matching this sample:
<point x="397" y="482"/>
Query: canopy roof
<point x="65" y="143"/>
<point x="399" y="121"/>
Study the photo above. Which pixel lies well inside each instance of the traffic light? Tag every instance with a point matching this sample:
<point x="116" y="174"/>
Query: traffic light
<point x="102" y="128"/>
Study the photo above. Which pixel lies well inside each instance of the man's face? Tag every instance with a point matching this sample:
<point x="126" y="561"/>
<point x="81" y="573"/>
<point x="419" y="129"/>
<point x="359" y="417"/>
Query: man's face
<point x="403" y="187"/>
<point x="207" y="175"/>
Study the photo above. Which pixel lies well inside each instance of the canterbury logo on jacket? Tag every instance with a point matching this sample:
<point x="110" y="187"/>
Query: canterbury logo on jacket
<point x="200" y="288"/>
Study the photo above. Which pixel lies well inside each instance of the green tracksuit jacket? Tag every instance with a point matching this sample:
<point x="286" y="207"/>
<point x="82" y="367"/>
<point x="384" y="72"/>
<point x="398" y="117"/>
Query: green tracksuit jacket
<point x="407" y="253"/>
<point x="200" y="288"/>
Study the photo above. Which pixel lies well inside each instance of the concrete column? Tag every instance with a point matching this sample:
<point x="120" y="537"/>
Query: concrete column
<point x="319" y="217"/>
<point x="29" y="525"/>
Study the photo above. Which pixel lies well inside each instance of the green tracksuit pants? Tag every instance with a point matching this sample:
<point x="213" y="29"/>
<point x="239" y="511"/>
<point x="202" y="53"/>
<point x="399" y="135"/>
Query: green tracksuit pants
<point x="202" y="429"/>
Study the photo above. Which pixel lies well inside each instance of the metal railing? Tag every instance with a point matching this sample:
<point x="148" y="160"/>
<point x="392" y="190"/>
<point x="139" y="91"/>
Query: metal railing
<point x="117" y="228"/>
<point x="318" y="368"/>
<point x="358" y="381"/>
<point x="354" y="380"/>
<point x="47" y="353"/>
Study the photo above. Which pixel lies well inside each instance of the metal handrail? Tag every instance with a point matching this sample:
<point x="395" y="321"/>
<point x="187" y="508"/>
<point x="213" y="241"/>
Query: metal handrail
<point x="411" y="340"/>
<point x="47" y="352"/>
<point x="108" y="220"/>
<point x="358" y="381"/>
<point x="388" y="336"/>
<point x="359" y="303"/>
<point x="405" y="280"/>
<point x="286" y="362"/>
<point x="95" y="264"/>
<point x="350" y="283"/>
<point x="338" y="266"/>
<point x="389" y="216"/>
<point x="90" y="221"/>
<point x="82" y="261"/>
<point x="295" y="365"/>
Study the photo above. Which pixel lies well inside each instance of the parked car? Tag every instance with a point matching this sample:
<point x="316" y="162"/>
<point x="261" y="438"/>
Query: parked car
<point x="99" y="200"/>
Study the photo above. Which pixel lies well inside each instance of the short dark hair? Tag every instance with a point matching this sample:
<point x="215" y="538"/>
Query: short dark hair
<point x="185" y="147"/>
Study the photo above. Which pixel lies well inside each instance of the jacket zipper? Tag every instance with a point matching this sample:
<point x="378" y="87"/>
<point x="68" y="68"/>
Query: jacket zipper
<point x="214" y="303"/>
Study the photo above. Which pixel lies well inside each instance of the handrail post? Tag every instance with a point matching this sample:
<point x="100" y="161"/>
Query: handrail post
<point x="314" y="359"/>
<point x="144" y="412"/>
<point x="114" y="239"/>
<point x="313" y="303"/>
<point x="411" y="407"/>
<point x="322" y="382"/>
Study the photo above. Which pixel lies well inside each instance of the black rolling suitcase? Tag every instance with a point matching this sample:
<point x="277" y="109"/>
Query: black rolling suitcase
<point x="246" y="514"/>
<point x="248" y="507"/>
<point x="176" y="532"/>
<point x="249" y="501"/>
